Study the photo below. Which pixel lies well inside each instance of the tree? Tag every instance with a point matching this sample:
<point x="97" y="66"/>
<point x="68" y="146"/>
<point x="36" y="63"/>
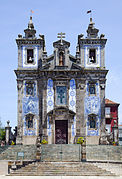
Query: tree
<point x="2" y="131"/>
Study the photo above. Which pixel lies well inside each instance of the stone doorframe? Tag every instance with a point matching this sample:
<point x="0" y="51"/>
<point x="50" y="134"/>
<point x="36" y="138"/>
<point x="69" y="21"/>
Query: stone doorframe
<point x="60" y="113"/>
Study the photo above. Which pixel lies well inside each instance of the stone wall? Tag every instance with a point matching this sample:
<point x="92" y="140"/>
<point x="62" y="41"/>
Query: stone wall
<point x="103" y="153"/>
<point x="61" y="153"/>
<point x="18" y="152"/>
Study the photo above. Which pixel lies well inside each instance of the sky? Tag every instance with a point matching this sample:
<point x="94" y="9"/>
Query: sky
<point x="51" y="17"/>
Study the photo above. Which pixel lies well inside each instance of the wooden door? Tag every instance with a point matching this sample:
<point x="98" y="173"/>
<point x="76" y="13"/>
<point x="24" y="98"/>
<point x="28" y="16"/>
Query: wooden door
<point x="61" y="131"/>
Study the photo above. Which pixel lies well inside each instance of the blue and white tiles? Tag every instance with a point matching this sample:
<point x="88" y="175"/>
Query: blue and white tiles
<point x="72" y="103"/>
<point x="92" y="106"/>
<point x="50" y="95"/>
<point x="50" y="103"/>
<point x="30" y="105"/>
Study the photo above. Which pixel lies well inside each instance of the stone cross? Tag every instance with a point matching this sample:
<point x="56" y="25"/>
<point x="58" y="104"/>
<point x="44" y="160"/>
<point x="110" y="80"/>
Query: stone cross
<point x="61" y="36"/>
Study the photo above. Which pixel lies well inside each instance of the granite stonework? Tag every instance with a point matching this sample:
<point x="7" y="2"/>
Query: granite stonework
<point x="61" y="87"/>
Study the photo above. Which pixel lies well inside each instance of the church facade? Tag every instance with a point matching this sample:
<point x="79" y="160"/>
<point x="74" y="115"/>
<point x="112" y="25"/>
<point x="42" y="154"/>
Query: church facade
<point x="61" y="97"/>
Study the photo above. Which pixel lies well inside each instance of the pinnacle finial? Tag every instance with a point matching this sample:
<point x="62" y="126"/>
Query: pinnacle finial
<point x="30" y="24"/>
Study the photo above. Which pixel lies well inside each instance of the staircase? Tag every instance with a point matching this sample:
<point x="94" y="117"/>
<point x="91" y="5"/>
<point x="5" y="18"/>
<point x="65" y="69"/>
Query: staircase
<point x="61" y="169"/>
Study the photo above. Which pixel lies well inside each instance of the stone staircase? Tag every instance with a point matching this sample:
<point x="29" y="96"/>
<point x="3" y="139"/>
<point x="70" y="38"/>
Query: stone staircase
<point x="61" y="169"/>
<point x="115" y="168"/>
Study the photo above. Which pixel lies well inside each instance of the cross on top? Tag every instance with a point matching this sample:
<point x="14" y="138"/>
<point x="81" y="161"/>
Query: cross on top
<point x="61" y="36"/>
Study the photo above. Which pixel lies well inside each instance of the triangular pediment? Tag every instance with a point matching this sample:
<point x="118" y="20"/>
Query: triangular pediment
<point x="75" y="66"/>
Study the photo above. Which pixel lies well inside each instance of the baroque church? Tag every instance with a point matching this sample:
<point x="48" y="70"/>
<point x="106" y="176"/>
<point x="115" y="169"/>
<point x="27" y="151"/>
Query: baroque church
<point x="61" y="97"/>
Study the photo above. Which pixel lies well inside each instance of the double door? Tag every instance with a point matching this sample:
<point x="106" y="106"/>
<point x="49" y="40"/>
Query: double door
<point x="61" y="132"/>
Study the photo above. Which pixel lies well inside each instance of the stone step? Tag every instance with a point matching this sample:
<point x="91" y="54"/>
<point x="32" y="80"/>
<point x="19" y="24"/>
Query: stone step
<point x="61" y="169"/>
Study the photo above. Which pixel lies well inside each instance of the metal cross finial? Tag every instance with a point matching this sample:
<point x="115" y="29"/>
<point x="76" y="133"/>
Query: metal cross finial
<point x="61" y="36"/>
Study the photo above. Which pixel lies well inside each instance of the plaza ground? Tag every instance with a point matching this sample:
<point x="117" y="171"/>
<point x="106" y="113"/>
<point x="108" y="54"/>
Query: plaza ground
<point x="60" y="177"/>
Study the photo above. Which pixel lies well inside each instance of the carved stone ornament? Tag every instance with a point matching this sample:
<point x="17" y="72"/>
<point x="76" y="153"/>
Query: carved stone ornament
<point x="102" y="86"/>
<point x="19" y="85"/>
<point x="81" y="86"/>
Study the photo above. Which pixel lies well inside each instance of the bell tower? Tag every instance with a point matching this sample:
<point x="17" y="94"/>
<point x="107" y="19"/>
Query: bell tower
<point x="90" y="56"/>
<point x="30" y="57"/>
<point x="92" y="48"/>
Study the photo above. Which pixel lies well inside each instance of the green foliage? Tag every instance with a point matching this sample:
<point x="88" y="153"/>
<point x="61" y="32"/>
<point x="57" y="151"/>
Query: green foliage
<point x="0" y="124"/>
<point x="2" y="134"/>
<point x="44" y="141"/>
<point x="80" y="140"/>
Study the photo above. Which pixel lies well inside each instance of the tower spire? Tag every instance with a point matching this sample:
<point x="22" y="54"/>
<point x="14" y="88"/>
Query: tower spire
<point x="92" y="32"/>
<point x="30" y="31"/>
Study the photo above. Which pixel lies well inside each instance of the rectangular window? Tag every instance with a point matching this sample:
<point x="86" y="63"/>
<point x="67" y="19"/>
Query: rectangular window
<point x="92" y="121"/>
<point x="107" y="110"/>
<point x="30" y="57"/>
<point x="61" y="95"/>
<point x="29" y="121"/>
<point x="92" y="55"/>
<point x="120" y="138"/>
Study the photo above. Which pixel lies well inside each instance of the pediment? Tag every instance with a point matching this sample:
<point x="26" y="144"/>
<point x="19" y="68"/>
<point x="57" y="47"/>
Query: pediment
<point x="61" y="110"/>
<point x="75" y="66"/>
<point x="47" y="66"/>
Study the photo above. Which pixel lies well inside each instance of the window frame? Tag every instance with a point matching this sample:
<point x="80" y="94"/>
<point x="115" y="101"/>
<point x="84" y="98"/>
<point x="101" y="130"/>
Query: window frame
<point x="56" y="101"/>
<point x="106" y="110"/>
<point x="95" y="55"/>
<point x="95" y="120"/>
<point x="32" y="51"/>
<point x="91" y="85"/>
<point x="29" y="117"/>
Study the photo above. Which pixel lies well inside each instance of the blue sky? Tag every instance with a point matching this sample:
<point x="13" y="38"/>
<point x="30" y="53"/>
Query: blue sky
<point x="51" y="17"/>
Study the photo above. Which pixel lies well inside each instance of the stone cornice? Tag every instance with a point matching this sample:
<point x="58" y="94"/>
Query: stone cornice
<point x="92" y="41"/>
<point x="29" y="41"/>
<point x="84" y="74"/>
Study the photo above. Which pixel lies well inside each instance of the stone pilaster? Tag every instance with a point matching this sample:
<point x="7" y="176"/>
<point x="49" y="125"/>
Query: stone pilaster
<point x="19" y="109"/>
<point x="8" y="133"/>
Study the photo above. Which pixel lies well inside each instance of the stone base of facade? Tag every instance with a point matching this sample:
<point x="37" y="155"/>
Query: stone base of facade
<point x="92" y="140"/>
<point x="29" y="140"/>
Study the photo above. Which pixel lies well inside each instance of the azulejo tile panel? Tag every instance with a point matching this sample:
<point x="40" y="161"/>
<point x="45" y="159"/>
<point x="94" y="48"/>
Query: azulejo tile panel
<point x="92" y="106"/>
<point x="30" y="105"/>
<point x="72" y="103"/>
<point x="50" y="95"/>
<point x="50" y="103"/>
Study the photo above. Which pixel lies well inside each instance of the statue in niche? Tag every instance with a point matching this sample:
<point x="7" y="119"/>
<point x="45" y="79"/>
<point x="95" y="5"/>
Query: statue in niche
<point x="61" y="59"/>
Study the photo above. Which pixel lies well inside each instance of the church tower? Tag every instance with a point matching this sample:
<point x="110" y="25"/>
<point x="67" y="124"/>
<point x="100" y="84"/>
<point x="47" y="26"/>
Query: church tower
<point x="91" y="57"/>
<point x="30" y="54"/>
<point x="61" y="97"/>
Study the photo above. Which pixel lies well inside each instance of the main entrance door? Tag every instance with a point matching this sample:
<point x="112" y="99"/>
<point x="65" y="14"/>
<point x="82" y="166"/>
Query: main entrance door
<point x="61" y="131"/>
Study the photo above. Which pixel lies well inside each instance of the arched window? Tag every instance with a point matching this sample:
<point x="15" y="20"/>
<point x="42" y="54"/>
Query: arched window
<point x="29" y="121"/>
<point x="92" y="121"/>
